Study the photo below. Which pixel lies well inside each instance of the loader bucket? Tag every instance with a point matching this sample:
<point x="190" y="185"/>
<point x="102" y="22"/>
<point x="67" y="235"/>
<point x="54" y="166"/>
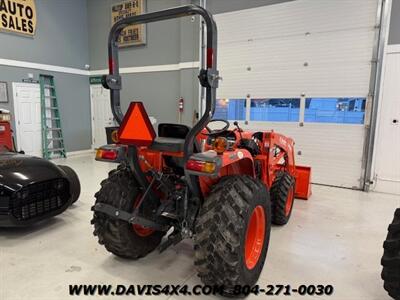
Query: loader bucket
<point x="303" y="182"/>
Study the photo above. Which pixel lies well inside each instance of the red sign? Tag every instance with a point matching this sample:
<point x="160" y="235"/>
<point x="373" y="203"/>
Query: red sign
<point x="136" y="128"/>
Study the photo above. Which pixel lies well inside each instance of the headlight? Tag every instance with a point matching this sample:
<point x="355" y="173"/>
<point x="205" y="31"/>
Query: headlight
<point x="220" y="145"/>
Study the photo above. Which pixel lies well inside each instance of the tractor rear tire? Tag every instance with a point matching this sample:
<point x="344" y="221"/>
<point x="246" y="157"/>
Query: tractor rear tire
<point x="119" y="237"/>
<point x="282" y="198"/>
<point x="75" y="185"/>
<point x="391" y="258"/>
<point x="225" y="253"/>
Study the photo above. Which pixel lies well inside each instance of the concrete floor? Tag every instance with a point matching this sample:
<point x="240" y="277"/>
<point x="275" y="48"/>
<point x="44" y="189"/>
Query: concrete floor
<point x="334" y="238"/>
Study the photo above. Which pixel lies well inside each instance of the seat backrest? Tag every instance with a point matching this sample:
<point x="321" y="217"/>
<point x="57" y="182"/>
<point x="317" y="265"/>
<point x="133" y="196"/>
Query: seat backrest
<point x="177" y="131"/>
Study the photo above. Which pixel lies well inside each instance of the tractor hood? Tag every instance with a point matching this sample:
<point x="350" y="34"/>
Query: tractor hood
<point x="18" y="170"/>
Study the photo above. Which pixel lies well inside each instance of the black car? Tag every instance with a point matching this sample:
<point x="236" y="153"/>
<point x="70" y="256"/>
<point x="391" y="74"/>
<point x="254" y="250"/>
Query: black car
<point x="33" y="189"/>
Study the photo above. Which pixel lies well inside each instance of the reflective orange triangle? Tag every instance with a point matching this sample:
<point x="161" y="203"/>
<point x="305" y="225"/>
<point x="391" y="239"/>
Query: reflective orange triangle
<point x="136" y="128"/>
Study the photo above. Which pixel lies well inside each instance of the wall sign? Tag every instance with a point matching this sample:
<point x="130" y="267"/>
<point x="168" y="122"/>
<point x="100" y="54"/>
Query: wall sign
<point x="132" y="35"/>
<point x="95" y="79"/>
<point x="18" y="16"/>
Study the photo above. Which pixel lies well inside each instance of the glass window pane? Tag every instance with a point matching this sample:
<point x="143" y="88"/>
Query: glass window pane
<point x="275" y="110"/>
<point x="335" y="110"/>
<point x="230" y="109"/>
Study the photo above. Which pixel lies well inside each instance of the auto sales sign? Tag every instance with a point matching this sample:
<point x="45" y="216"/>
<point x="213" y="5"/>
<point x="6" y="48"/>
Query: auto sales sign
<point x="18" y="16"/>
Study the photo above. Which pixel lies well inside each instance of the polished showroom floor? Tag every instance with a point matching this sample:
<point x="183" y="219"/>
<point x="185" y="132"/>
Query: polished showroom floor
<point x="334" y="238"/>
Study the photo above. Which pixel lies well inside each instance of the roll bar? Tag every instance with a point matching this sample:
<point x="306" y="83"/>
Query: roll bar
<point x="208" y="77"/>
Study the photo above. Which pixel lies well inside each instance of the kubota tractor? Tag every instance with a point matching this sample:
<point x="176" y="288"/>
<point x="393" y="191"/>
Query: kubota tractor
<point x="222" y="187"/>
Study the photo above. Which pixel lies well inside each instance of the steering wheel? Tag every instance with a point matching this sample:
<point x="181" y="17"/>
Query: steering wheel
<point x="217" y="131"/>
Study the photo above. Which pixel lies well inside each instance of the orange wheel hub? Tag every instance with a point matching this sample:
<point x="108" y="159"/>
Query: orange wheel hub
<point x="139" y="229"/>
<point x="289" y="202"/>
<point x="255" y="236"/>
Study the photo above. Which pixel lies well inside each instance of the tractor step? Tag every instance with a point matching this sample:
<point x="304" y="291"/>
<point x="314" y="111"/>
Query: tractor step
<point x="167" y="209"/>
<point x="169" y="215"/>
<point x="173" y="239"/>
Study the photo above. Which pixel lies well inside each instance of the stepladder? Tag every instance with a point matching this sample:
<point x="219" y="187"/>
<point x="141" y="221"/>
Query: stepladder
<point x="52" y="135"/>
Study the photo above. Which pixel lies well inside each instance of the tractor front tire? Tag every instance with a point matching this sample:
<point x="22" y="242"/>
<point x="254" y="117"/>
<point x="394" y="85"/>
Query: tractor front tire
<point x="232" y="233"/>
<point x="282" y="198"/>
<point x="391" y="258"/>
<point x="119" y="237"/>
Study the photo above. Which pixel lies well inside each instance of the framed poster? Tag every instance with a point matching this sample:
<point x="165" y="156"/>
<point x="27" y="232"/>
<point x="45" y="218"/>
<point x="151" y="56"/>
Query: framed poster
<point x="132" y="35"/>
<point x="3" y="92"/>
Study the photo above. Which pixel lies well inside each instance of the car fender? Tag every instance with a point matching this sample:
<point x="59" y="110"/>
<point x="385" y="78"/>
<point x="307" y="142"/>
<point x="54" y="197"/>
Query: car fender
<point x="18" y="170"/>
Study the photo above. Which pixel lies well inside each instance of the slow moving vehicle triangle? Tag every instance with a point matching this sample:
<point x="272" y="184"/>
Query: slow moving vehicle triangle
<point x="136" y="128"/>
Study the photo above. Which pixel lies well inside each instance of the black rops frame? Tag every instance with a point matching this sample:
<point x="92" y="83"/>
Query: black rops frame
<point x="208" y="78"/>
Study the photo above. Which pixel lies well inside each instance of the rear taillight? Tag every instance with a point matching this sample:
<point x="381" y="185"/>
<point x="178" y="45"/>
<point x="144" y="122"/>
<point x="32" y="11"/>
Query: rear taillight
<point x="106" y="154"/>
<point x="201" y="166"/>
<point x="111" y="153"/>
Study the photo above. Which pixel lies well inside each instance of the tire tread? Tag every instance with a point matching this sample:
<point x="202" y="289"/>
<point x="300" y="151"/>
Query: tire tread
<point x="217" y="239"/>
<point x="118" y="237"/>
<point x="391" y="258"/>
<point x="279" y="192"/>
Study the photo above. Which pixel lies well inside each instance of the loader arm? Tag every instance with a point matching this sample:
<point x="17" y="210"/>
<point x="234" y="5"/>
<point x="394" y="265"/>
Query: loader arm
<point x="281" y="149"/>
<point x="286" y="145"/>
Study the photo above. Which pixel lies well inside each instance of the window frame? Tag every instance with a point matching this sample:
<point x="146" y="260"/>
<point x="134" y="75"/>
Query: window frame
<point x="302" y="110"/>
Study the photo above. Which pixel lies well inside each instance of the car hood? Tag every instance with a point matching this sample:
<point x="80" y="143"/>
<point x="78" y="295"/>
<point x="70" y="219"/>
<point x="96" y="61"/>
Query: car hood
<point x="18" y="170"/>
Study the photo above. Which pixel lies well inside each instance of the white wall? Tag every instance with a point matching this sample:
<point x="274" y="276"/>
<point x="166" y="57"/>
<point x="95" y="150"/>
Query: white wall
<point x="387" y="147"/>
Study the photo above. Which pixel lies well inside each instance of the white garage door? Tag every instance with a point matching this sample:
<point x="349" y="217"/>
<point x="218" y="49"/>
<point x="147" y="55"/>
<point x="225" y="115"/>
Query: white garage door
<point x="303" y="69"/>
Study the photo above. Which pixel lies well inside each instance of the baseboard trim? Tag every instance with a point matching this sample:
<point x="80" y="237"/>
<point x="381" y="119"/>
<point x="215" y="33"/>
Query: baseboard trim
<point x="393" y="48"/>
<point x="80" y="152"/>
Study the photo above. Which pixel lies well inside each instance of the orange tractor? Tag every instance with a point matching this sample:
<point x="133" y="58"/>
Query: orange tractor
<point x="222" y="187"/>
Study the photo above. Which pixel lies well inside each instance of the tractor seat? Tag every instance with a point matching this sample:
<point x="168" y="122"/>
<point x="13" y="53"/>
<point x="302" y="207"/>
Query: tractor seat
<point x="167" y="144"/>
<point x="171" y="137"/>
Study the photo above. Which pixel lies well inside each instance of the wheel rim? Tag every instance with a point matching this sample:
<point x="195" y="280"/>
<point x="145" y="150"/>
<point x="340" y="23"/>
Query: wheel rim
<point x="139" y="229"/>
<point x="255" y="236"/>
<point x="289" y="202"/>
